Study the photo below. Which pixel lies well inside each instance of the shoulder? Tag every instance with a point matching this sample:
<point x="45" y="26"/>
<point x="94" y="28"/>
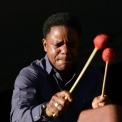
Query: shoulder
<point x="32" y="72"/>
<point x="30" y="75"/>
<point x="34" y="69"/>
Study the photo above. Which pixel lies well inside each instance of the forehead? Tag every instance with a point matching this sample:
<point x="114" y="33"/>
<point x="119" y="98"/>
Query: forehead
<point x="62" y="33"/>
<point x="62" y="30"/>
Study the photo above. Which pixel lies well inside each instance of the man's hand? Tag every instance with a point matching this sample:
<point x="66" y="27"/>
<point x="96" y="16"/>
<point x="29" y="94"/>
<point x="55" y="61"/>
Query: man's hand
<point x="100" y="101"/>
<point x="58" y="103"/>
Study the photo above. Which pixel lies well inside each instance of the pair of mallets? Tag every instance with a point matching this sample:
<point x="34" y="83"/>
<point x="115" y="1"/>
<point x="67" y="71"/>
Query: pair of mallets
<point x="100" y="42"/>
<point x="108" y="55"/>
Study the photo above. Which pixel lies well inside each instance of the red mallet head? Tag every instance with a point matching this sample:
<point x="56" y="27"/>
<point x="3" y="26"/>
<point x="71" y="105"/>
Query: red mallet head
<point x="100" y="41"/>
<point x="108" y="55"/>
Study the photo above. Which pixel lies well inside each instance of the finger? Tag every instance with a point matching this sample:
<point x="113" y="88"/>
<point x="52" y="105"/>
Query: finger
<point x="95" y="106"/>
<point x="59" y="107"/>
<point x="66" y="95"/>
<point x="57" y="99"/>
<point x="50" y="110"/>
<point x="62" y="98"/>
<point x="101" y="104"/>
<point x="101" y="98"/>
<point x="57" y="104"/>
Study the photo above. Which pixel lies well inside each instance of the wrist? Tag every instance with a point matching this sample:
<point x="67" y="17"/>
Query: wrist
<point x="44" y="106"/>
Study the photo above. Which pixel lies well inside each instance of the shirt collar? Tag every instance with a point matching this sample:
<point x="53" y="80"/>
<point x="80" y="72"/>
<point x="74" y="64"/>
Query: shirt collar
<point x="49" y="67"/>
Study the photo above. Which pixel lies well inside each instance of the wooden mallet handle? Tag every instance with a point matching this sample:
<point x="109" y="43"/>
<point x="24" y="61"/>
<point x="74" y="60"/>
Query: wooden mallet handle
<point x="108" y="56"/>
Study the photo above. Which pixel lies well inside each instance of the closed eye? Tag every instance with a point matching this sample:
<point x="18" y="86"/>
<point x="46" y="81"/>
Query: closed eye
<point x="59" y="44"/>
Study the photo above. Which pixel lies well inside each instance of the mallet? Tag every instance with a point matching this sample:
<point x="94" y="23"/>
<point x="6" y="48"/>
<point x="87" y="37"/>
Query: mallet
<point x="108" y="56"/>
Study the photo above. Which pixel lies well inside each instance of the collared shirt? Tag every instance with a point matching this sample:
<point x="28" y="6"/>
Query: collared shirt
<point x="38" y="82"/>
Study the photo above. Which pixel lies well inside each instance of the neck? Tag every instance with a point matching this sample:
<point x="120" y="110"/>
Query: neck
<point x="66" y="75"/>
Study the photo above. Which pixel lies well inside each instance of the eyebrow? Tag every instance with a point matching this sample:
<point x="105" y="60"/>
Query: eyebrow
<point x="57" y="42"/>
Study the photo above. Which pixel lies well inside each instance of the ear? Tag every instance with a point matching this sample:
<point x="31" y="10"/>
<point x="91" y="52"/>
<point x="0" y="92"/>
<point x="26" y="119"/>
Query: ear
<point x="44" y="44"/>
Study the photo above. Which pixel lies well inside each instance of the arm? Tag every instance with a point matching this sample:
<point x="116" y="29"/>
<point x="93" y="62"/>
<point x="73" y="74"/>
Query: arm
<point x="25" y="104"/>
<point x="24" y="99"/>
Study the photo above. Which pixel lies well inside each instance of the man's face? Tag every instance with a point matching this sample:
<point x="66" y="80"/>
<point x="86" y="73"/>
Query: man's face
<point x="61" y="46"/>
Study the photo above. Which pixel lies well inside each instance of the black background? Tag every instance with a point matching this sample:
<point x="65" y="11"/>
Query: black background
<point x="21" y="24"/>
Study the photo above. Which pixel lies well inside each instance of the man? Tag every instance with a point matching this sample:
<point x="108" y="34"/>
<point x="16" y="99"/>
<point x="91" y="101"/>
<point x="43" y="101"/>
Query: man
<point x="41" y="90"/>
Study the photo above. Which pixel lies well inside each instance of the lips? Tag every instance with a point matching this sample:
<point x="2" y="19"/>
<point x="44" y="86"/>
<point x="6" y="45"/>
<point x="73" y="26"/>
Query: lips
<point x="64" y="59"/>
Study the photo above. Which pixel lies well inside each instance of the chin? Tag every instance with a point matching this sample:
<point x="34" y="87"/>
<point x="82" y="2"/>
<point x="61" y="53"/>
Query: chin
<point x="65" y="67"/>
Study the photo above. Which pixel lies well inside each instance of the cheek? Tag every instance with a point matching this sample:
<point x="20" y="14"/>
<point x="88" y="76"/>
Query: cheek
<point x="75" y="51"/>
<point x="52" y="53"/>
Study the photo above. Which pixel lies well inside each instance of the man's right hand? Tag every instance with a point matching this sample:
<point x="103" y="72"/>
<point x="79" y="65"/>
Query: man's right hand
<point x="58" y="103"/>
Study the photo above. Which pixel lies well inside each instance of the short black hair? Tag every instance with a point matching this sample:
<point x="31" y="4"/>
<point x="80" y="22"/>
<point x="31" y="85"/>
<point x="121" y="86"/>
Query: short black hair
<point x="66" y="19"/>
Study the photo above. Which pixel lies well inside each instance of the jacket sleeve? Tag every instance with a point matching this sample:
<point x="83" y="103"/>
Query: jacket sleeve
<point x="24" y="107"/>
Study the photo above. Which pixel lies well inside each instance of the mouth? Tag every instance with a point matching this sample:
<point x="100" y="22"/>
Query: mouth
<point x="65" y="61"/>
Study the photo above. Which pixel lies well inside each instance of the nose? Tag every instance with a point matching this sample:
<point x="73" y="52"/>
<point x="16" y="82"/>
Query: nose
<point x="65" y="49"/>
